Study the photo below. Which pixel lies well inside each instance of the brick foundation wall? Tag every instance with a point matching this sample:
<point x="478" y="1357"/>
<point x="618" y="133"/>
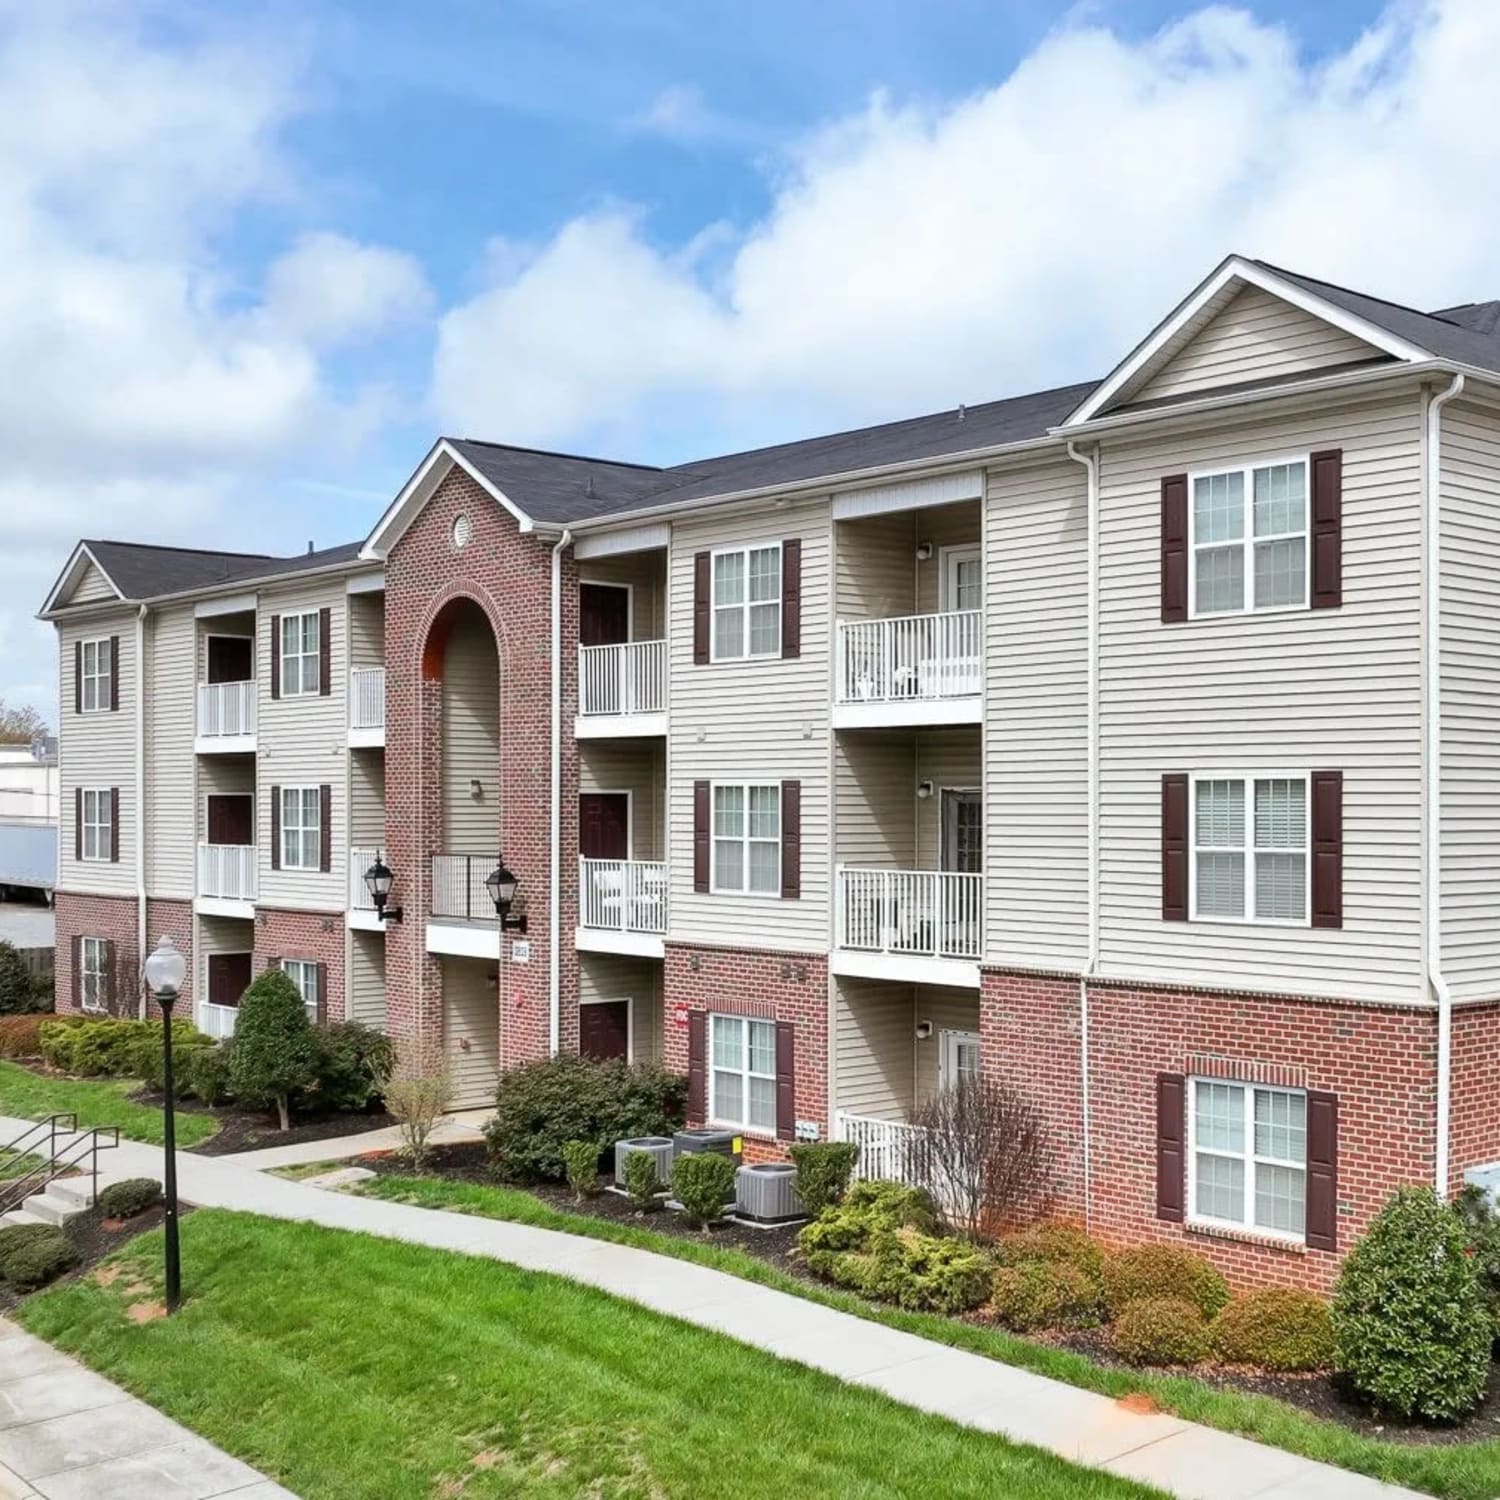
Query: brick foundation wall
<point x="112" y="917"/>
<point x="1474" y="1104"/>
<point x="774" y="986"/>
<point x="174" y="919"/>
<point x="318" y="936"/>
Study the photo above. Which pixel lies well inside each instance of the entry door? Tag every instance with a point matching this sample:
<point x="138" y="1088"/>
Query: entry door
<point x="963" y="831"/>
<point x="229" y="658"/>
<point x="604" y="825"/>
<point x="231" y="820"/>
<point x="228" y="977"/>
<point x="604" y="1028"/>
<point x="603" y="614"/>
<point x="958" y="1057"/>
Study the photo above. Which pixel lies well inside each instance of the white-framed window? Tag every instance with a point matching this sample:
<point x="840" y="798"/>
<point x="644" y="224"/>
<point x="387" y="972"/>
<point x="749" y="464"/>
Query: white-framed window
<point x="1247" y="1155"/>
<point x="747" y="838"/>
<point x="93" y="977"/>
<point x="96" y="667"/>
<point x="303" y="972"/>
<point x="1249" y="538"/>
<point x="747" y="602"/>
<point x="742" y="1072"/>
<point x="299" y="654"/>
<point x="301" y="828"/>
<point x="1250" y="849"/>
<point x="98" y="822"/>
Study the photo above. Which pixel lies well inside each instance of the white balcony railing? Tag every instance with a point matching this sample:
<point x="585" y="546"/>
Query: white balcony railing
<point x="889" y="1150"/>
<point x="227" y="871"/>
<point x="623" y="895"/>
<point x="360" y="898"/>
<point x="226" y="708"/>
<point x="914" y="657"/>
<point x="217" y="1021"/>
<point x="625" y="679"/>
<point x="920" y="913"/>
<point x="367" y="698"/>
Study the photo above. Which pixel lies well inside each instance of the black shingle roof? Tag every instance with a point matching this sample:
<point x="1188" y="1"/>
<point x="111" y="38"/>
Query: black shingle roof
<point x="142" y="571"/>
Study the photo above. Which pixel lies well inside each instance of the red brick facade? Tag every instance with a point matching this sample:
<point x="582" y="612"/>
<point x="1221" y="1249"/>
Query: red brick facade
<point x="112" y="917"/>
<point x="1474" y="1105"/>
<point x="313" y="935"/>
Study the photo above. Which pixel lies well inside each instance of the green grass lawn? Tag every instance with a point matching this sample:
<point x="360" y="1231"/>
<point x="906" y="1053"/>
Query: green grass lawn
<point x="13" y="1167"/>
<point x="356" y="1368"/>
<point x="1463" y="1471"/>
<point x="96" y="1101"/>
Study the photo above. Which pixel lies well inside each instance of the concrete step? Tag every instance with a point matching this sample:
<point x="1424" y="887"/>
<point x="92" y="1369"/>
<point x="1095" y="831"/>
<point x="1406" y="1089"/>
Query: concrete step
<point x="79" y="1190"/>
<point x="20" y="1216"/>
<point x="52" y="1210"/>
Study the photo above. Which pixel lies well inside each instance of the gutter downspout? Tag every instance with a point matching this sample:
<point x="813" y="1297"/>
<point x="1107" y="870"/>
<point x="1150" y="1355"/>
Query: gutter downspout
<point x="554" y="895"/>
<point x="1090" y="461"/>
<point x="1433" y="729"/>
<point x="140" y="799"/>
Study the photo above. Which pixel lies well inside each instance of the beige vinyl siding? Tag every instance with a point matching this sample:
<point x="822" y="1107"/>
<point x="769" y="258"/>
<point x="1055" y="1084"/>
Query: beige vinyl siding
<point x="1256" y="336"/>
<point x="613" y="976"/>
<point x="637" y="767"/>
<point x="98" y="750"/>
<point x="947" y="1010"/>
<point x="303" y="741"/>
<point x="942" y="526"/>
<point x="1036" y="715"/>
<point x="875" y="1047"/>
<point x="876" y="567"/>
<point x="219" y="935"/>
<point x="1299" y="691"/>
<point x="366" y="988"/>
<point x="171" y="723"/>
<point x="471" y="1014"/>
<point x="366" y="630"/>
<point x="1471" y="698"/>
<point x="471" y="738"/>
<point x="367" y="799"/>
<point x="223" y="776"/>
<point x="752" y="721"/>
<point x="875" y="799"/>
<point x="646" y="573"/>
<point x="91" y="588"/>
<point x="950" y="759"/>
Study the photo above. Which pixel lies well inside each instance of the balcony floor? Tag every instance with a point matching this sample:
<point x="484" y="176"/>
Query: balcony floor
<point x="612" y="940"/>
<point x="224" y="744"/>
<point x="908" y="713"/>
<point x="905" y="968"/>
<point x="224" y="906"/>
<point x="619" y="726"/>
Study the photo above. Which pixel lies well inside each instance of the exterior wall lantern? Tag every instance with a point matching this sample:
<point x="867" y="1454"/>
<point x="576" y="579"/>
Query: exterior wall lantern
<point x="378" y="879"/>
<point x="501" y="885"/>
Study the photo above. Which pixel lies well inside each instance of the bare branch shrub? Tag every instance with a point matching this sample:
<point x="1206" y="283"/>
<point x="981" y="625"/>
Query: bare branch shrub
<point x="414" y="1098"/>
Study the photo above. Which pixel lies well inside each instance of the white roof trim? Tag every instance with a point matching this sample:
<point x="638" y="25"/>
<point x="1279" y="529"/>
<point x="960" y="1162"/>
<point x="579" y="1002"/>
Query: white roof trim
<point x="418" y="490"/>
<point x="1231" y="270"/>
<point x="909" y="494"/>
<point x="72" y="571"/>
<point x="613" y="543"/>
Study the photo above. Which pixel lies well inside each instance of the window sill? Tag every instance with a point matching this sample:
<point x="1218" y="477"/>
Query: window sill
<point x="750" y="1132"/>
<point x="1246" y="1237"/>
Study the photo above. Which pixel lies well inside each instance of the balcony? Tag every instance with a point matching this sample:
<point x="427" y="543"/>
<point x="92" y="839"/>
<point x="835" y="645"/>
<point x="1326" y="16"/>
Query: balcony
<point x="889" y="1150"/>
<point x="464" y="922"/>
<point x="922" y="926"/>
<point x="622" y="906"/>
<point x="367" y="706"/>
<point x="217" y="1021"/>
<point x="226" y="880"/>
<point x="361" y="911"/>
<point x="622" y="690"/>
<point x="914" y="669"/>
<point x="226" y="717"/>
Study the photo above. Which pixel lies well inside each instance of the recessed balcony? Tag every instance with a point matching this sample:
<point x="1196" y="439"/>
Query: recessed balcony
<point x="622" y="689"/>
<point x="226" y="880"/>
<point x="923" y="926"/>
<point x="367" y="707"/>
<point x="622" y="906"/>
<point x="226" y="718"/>
<point x="910" y="670"/>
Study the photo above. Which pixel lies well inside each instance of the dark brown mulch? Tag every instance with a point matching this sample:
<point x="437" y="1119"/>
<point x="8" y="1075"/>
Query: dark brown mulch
<point x="239" y="1130"/>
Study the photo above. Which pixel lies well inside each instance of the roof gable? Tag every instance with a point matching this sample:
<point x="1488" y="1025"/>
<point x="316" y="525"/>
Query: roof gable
<point x="82" y="581"/>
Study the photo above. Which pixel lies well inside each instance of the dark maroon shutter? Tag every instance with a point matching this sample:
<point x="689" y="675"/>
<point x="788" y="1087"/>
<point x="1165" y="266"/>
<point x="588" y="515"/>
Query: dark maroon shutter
<point x="786" y="1081"/>
<point x="111" y="980"/>
<point x="325" y="827"/>
<point x="275" y="656"/>
<point x="114" y="673"/>
<point x="114" y="825"/>
<point x="791" y="597"/>
<point x="77" y="677"/>
<point x="1322" y="1170"/>
<point x="325" y="652"/>
<point x="275" y="827"/>
<point x="77" y="822"/>
<point x="1174" y="548"/>
<point x="1328" y="528"/>
<point x="702" y="814"/>
<point x="77" y="948"/>
<point x="697" y="1100"/>
<point x="1328" y="848"/>
<point x="791" y="840"/>
<point x="702" y="584"/>
<point x="1174" y="847"/>
<point x="322" y="994"/>
<point x="1171" y="1145"/>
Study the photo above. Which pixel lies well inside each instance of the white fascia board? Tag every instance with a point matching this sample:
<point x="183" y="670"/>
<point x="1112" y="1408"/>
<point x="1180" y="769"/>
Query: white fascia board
<point x="71" y="573"/>
<point x="1233" y="269"/>
<point x="367" y="583"/>
<point x="909" y="494"/>
<point x="628" y="539"/>
<point x="225" y="604"/>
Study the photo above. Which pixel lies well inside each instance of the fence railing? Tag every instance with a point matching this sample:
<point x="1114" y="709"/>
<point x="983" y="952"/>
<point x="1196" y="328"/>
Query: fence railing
<point x="889" y="1151"/>
<point x="226" y="708"/>
<point x="626" y="679"/>
<point x="458" y="887"/>
<point x="227" y="870"/>
<point x="910" y="657"/>
<point x="623" y="895"/>
<point x="367" y="698"/>
<point x="360" y="860"/>
<point x="923" y="913"/>
<point x="217" y="1021"/>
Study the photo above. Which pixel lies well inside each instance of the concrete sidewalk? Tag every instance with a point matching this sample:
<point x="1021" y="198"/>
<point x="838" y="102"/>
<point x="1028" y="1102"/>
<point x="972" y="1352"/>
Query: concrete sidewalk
<point x="1196" y="1463"/>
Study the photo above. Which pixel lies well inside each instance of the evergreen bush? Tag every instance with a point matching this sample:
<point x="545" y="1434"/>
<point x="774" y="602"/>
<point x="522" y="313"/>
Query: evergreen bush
<point x="1157" y="1271"/>
<point x="703" y="1182"/>
<point x="1160" y="1331"/>
<point x="275" y="1053"/>
<point x="1276" y="1330"/>
<point x="823" y="1172"/>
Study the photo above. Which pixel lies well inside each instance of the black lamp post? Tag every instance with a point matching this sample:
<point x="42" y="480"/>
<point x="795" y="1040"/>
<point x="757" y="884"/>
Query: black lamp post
<point x="501" y="885"/>
<point x="378" y="880"/>
<point x="165" y="970"/>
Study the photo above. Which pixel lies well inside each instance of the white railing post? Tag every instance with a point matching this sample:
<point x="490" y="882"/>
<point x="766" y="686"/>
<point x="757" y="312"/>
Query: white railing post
<point x="926" y="913"/>
<point x="628" y="678"/>
<point x="622" y="895"/>
<point x="911" y="656"/>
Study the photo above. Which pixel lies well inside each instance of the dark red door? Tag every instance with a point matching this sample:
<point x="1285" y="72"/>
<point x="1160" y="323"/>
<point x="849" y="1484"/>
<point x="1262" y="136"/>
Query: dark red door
<point x="231" y="820"/>
<point x="603" y="614"/>
<point x="604" y="1029"/>
<point x="604" y="825"/>
<point x="229" y="658"/>
<point x="228" y="977"/>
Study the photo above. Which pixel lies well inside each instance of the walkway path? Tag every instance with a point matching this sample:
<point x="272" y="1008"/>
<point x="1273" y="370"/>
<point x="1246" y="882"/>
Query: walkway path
<point x="1196" y="1463"/>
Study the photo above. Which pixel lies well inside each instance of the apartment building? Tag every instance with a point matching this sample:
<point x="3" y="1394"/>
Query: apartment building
<point x="1134" y="741"/>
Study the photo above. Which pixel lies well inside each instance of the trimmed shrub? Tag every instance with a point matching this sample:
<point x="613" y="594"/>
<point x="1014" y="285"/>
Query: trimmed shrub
<point x="703" y="1183"/>
<point x="351" y="1057"/>
<point x="108" y="1048"/>
<point x="1041" y="1294"/>
<point x="41" y="1260"/>
<point x="867" y="1209"/>
<point x="823" y="1172"/>
<point x="18" y="994"/>
<point x="1276" y="1330"/>
<point x="205" y="1072"/>
<point x="581" y="1158"/>
<point x="16" y="1237"/>
<point x="542" y="1105"/>
<point x="1482" y="1227"/>
<point x="641" y="1181"/>
<point x="940" y="1275"/>
<point x="124" y="1200"/>
<point x="148" y="1061"/>
<point x="275" y="1053"/>
<point x="20" y="1036"/>
<point x="1056" y="1243"/>
<point x="1411" y="1331"/>
<point x="1158" y="1271"/>
<point x="1161" y="1331"/>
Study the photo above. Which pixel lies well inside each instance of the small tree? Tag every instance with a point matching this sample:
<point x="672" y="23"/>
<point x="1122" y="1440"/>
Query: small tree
<point x="414" y="1098"/>
<point x="984" y="1152"/>
<point x="275" y="1052"/>
<point x="17" y="991"/>
<point x="641" y="1181"/>
<point x="20" y="723"/>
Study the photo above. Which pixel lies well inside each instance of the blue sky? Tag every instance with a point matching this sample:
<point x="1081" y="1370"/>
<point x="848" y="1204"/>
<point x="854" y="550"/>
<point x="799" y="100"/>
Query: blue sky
<point x="254" y="256"/>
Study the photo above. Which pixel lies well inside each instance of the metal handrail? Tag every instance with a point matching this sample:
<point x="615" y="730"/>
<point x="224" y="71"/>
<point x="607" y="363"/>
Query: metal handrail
<point x="23" y="1145"/>
<point x="85" y="1144"/>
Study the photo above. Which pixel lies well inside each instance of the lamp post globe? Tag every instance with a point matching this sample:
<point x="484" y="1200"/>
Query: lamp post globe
<point x="165" y="970"/>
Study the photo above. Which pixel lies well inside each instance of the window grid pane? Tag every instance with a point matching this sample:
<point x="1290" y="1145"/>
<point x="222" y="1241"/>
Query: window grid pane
<point x="763" y="1048"/>
<point x="1220" y="1187"/>
<point x="1221" y="579"/>
<point x="1219" y="507"/>
<point x="1280" y="1199"/>
<point x="1280" y="1125"/>
<point x="729" y="578"/>
<point x="1280" y="502"/>
<point x="765" y="574"/>
<point x="1219" y="1118"/>
<point x="1280" y="573"/>
<point x="729" y="1041"/>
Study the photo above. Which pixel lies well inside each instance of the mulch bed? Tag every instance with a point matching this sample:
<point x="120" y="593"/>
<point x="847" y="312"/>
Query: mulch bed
<point x="240" y="1130"/>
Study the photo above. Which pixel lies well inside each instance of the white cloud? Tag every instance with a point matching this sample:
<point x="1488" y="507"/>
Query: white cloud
<point x="918" y="255"/>
<point x="328" y="288"/>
